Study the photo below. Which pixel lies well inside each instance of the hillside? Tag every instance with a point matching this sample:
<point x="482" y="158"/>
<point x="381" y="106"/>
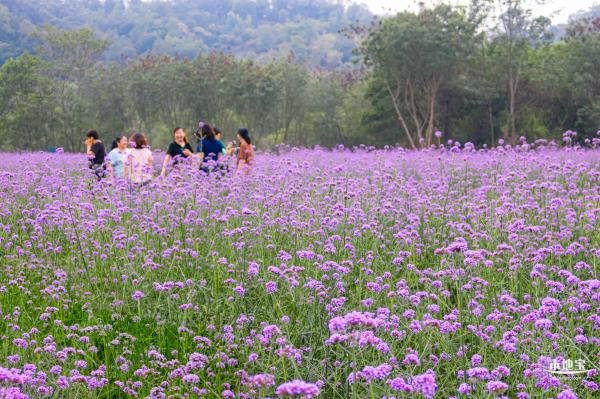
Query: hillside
<point x="250" y="29"/>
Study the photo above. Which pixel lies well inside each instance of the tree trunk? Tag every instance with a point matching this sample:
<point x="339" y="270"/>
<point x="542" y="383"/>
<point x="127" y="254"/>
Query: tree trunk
<point x="394" y="97"/>
<point x="409" y="99"/>
<point x="435" y="85"/>
<point x="511" y="110"/>
<point x="512" y="127"/>
<point x="491" y="118"/>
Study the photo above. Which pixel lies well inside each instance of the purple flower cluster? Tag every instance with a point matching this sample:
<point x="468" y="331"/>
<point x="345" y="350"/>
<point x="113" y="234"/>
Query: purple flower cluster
<point x="298" y="389"/>
<point x="423" y="383"/>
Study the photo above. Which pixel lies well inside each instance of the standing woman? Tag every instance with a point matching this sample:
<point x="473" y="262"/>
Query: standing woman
<point x="180" y="148"/>
<point x="210" y="148"/>
<point x="245" y="156"/>
<point x="117" y="156"/>
<point x="96" y="153"/>
<point x="138" y="169"/>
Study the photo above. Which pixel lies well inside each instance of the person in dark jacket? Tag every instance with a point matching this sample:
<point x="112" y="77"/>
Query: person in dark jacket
<point x="210" y="147"/>
<point x="96" y="154"/>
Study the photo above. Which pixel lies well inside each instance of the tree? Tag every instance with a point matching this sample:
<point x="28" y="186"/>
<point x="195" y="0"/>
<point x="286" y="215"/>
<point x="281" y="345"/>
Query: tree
<point x="71" y="56"/>
<point x="25" y="104"/>
<point x="413" y="55"/>
<point x="72" y="53"/>
<point x="252" y="92"/>
<point x="579" y="60"/>
<point x="518" y="30"/>
<point x="291" y="79"/>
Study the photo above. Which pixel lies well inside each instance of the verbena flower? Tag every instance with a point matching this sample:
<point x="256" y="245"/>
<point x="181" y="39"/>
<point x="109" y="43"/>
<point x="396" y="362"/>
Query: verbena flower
<point x="298" y="388"/>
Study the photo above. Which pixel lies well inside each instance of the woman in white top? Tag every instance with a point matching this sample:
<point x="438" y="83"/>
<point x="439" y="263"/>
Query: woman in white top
<point x="138" y="169"/>
<point x="117" y="156"/>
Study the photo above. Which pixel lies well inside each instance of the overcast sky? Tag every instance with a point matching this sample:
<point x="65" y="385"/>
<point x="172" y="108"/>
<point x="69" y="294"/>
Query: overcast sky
<point x="563" y="8"/>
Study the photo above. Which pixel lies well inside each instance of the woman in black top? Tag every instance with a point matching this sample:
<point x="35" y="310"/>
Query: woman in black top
<point x="180" y="148"/>
<point x="96" y="153"/>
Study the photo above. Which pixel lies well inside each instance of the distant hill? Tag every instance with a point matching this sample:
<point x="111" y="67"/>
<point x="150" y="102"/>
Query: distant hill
<point x="249" y="28"/>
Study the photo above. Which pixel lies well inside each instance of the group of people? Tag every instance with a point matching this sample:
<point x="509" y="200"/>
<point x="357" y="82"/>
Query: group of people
<point x="131" y="158"/>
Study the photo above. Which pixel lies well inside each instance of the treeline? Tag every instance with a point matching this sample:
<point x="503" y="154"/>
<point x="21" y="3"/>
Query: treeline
<point x="52" y="98"/>
<point x="250" y="29"/>
<point x="434" y="70"/>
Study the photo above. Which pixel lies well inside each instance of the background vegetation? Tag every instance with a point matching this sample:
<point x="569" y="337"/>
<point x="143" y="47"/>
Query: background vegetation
<point x="285" y="69"/>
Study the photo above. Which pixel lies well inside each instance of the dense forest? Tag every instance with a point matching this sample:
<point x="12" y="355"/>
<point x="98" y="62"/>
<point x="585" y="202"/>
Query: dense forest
<point x="250" y="29"/>
<point x="483" y="73"/>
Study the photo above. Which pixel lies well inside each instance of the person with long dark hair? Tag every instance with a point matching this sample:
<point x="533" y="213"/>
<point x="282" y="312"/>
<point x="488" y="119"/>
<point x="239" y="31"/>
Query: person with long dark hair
<point x="117" y="156"/>
<point x="178" y="149"/>
<point x="209" y="148"/>
<point x="138" y="169"/>
<point x="96" y="153"/>
<point x="245" y="155"/>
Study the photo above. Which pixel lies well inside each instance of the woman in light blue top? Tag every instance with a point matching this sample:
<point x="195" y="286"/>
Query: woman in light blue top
<point x="117" y="156"/>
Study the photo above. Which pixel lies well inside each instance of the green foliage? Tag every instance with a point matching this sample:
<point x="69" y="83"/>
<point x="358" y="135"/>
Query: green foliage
<point x="437" y="69"/>
<point x="512" y="82"/>
<point x="71" y="52"/>
<point x="279" y="102"/>
<point x="250" y="29"/>
<point x="25" y="103"/>
<point x="413" y="55"/>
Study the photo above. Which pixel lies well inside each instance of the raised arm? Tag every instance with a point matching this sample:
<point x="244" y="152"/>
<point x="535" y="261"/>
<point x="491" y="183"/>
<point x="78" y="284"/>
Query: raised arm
<point x="88" y="145"/>
<point x="229" y="149"/>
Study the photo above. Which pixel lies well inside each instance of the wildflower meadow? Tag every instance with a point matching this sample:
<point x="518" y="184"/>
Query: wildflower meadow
<point x="450" y="272"/>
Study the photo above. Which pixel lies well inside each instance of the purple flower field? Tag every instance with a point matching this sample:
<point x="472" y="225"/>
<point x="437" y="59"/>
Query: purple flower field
<point x="322" y="274"/>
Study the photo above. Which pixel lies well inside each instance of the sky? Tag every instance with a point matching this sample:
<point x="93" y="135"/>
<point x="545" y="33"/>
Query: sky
<point x="563" y="8"/>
